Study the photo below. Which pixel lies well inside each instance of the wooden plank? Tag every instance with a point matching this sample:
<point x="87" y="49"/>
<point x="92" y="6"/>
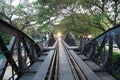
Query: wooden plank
<point x="45" y="53"/>
<point x="27" y="76"/>
<point x="90" y="75"/>
<point x="92" y="65"/>
<point x="73" y="47"/>
<point x="42" y="71"/>
<point x="83" y="57"/>
<point x="39" y="66"/>
<point x="36" y="66"/>
<point x="105" y="76"/>
<point x="70" y="47"/>
<point x="42" y="57"/>
<point x="65" y="72"/>
<point x="51" y="48"/>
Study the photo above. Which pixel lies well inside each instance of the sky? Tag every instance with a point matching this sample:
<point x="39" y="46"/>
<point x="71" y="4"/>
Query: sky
<point x="16" y="2"/>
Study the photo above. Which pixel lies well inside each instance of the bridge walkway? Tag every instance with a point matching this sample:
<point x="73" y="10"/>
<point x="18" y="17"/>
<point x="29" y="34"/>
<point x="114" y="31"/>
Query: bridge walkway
<point x="63" y="63"/>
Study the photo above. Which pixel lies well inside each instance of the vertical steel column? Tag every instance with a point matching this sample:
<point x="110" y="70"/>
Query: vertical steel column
<point x="9" y="56"/>
<point x="108" y="58"/>
<point x="27" y="50"/>
<point x="92" y="51"/>
<point x="21" y="62"/>
<point x="33" y="53"/>
<point x="110" y="50"/>
<point x="41" y="46"/>
<point x="37" y="49"/>
<point x="5" y="62"/>
<point x="3" y="66"/>
<point x="99" y="52"/>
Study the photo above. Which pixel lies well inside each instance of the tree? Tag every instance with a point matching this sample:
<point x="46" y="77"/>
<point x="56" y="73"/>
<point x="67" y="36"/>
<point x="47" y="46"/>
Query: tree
<point x="21" y="16"/>
<point x="25" y="16"/>
<point x="51" y="8"/>
<point x="7" y="11"/>
<point x="76" y="25"/>
<point x="107" y="11"/>
<point x="100" y="16"/>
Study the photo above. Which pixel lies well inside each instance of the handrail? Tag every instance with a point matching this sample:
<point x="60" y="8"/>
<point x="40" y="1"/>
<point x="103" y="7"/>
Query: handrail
<point x="10" y="29"/>
<point x="115" y="29"/>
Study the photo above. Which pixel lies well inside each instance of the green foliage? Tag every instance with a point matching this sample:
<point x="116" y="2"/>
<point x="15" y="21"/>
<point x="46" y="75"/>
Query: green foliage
<point x="108" y="9"/>
<point x="5" y="37"/>
<point x="50" y="8"/>
<point x="21" y="16"/>
<point x="76" y="25"/>
<point x="97" y="14"/>
<point x="115" y="57"/>
<point x="1" y="56"/>
<point x="95" y="20"/>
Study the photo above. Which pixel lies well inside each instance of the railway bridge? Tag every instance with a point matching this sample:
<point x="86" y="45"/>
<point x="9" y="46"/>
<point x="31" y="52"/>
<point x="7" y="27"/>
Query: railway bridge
<point x="24" y="59"/>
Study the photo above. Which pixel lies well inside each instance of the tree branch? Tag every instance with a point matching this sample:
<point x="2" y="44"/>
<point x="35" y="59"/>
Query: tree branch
<point x="6" y="17"/>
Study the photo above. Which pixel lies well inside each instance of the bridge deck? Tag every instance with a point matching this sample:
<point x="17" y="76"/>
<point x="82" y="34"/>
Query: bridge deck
<point x="65" y="71"/>
<point x="25" y="59"/>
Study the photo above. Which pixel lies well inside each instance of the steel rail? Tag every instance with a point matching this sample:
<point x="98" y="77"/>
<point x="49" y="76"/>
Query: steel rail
<point x="78" y="74"/>
<point x="57" y="66"/>
<point x="49" y="67"/>
<point x="53" y="68"/>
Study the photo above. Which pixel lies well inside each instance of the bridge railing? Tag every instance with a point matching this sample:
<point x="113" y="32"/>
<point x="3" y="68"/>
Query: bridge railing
<point x="70" y="39"/>
<point x="21" y="52"/>
<point x="102" y="48"/>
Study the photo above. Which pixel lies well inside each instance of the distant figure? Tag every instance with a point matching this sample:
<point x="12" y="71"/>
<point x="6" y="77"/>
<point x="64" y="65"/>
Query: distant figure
<point x="86" y="36"/>
<point x="51" y="39"/>
<point x="51" y="36"/>
<point x="81" y="36"/>
<point x="47" y="40"/>
<point x="85" y="39"/>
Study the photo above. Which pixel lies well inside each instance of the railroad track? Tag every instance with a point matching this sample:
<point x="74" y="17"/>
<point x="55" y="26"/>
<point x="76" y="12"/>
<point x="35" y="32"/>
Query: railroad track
<point x="60" y="63"/>
<point x="64" y="64"/>
<point x="77" y="73"/>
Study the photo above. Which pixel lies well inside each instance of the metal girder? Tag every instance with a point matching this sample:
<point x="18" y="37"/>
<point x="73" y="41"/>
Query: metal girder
<point x="21" y="62"/>
<point x="19" y="37"/>
<point x="8" y="55"/>
<point x="5" y="62"/>
<point x="28" y="51"/>
<point x="10" y="29"/>
<point x="108" y="58"/>
<point x="70" y="39"/>
<point x="113" y="32"/>
<point x="3" y="68"/>
<point x="97" y="52"/>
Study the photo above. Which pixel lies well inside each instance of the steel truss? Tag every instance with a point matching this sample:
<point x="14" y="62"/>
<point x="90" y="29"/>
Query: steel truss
<point x="19" y="41"/>
<point x="100" y="49"/>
